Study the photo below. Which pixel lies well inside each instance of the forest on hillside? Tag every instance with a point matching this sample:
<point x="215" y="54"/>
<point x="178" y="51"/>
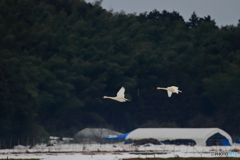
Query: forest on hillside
<point x="58" y="58"/>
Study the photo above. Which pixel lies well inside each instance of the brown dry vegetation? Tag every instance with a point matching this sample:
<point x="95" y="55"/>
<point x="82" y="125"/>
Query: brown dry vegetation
<point x="19" y="159"/>
<point x="191" y="158"/>
<point x="235" y="150"/>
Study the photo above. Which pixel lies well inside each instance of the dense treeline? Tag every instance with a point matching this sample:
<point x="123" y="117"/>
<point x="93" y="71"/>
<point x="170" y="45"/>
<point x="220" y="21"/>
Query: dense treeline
<point x="59" y="58"/>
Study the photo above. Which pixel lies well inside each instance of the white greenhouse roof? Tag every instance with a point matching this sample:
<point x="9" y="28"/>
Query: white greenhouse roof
<point x="199" y="135"/>
<point x="96" y="132"/>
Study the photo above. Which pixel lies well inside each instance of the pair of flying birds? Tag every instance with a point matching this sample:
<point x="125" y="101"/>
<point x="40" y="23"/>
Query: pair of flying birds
<point x="121" y="97"/>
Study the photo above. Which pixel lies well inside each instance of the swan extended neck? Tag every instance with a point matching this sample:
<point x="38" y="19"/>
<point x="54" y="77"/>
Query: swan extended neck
<point x="107" y="97"/>
<point x="161" y="88"/>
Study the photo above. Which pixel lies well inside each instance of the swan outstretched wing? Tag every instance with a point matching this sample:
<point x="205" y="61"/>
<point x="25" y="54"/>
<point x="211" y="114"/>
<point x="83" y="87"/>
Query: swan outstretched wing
<point x="169" y="93"/>
<point x="120" y="93"/>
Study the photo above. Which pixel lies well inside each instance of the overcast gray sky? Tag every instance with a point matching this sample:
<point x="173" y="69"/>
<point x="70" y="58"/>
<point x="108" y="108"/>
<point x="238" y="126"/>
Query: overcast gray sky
<point x="224" y="12"/>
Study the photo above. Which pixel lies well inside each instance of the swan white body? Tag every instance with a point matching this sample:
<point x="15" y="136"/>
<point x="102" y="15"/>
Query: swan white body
<point x="170" y="90"/>
<point x="120" y="96"/>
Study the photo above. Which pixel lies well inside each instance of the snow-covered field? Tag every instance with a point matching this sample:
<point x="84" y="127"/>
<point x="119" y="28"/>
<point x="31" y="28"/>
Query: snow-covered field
<point x="115" y="151"/>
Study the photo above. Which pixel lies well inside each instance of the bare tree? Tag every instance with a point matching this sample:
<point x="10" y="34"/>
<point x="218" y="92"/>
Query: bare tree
<point x="97" y="134"/>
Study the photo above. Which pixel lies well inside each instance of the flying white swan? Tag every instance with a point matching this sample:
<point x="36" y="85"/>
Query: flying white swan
<point x="170" y="90"/>
<point x="120" y="96"/>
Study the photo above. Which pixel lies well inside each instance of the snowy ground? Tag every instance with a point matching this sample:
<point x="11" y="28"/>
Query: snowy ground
<point x="114" y="151"/>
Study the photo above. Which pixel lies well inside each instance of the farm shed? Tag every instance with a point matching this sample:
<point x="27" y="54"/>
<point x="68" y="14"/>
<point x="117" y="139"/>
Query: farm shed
<point x="93" y="135"/>
<point x="185" y="136"/>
